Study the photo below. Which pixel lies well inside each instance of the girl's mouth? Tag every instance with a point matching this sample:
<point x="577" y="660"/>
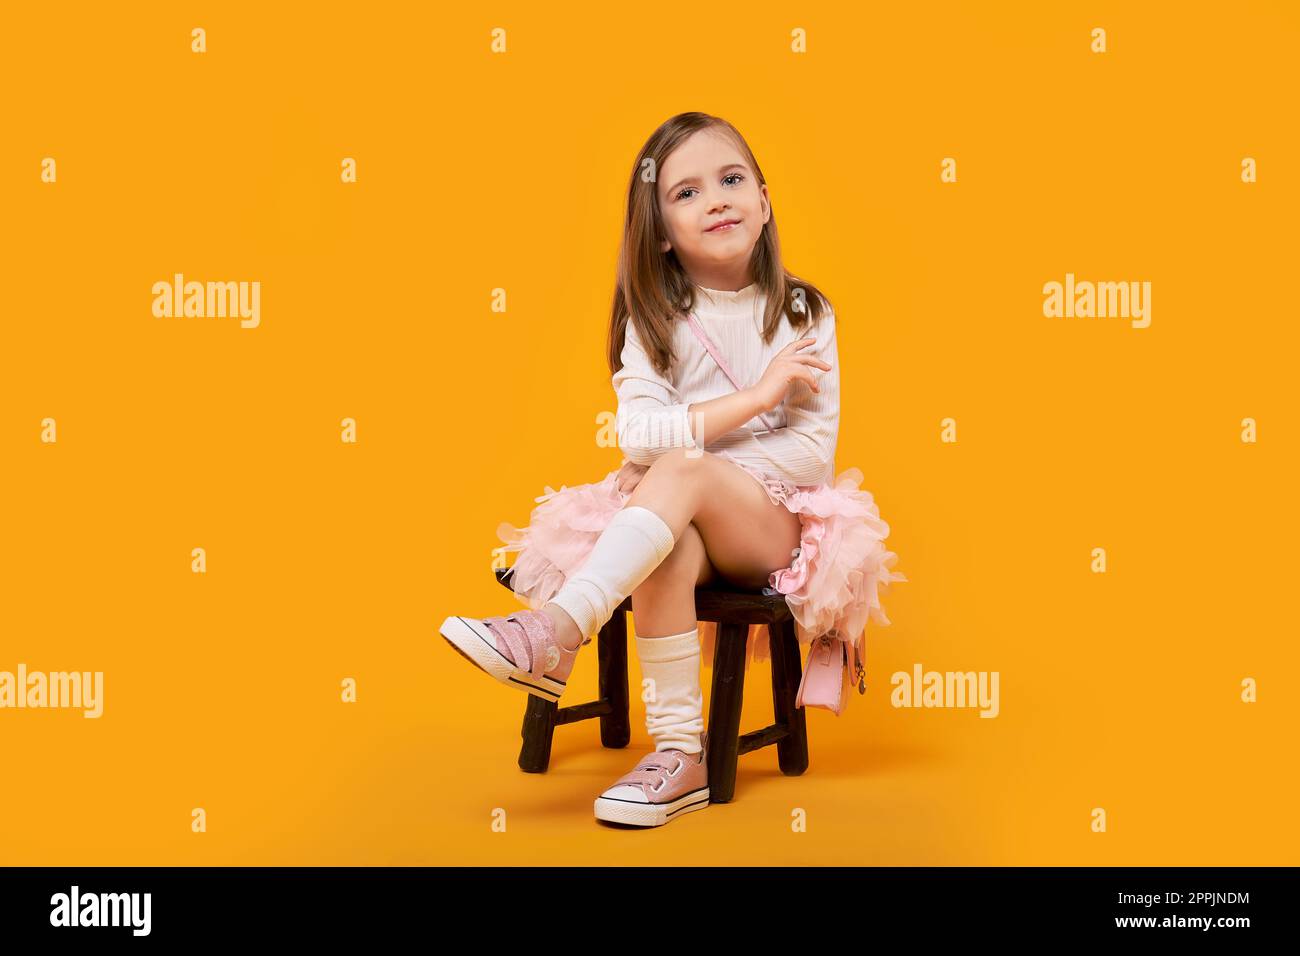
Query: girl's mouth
<point x="725" y="226"/>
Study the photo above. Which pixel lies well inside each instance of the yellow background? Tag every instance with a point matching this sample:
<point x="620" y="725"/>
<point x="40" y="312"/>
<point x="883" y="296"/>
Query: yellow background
<point x="328" y="560"/>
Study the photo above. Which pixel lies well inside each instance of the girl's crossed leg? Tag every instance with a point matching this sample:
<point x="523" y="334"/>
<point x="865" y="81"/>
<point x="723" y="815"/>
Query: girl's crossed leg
<point x="726" y="527"/>
<point x="723" y="525"/>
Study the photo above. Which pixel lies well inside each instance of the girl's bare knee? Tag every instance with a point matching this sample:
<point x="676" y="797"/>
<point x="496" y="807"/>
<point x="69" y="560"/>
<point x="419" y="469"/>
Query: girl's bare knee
<point x="676" y="474"/>
<point x="681" y="464"/>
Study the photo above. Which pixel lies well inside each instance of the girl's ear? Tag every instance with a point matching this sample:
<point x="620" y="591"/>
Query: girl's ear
<point x="665" y="245"/>
<point x="767" y="203"/>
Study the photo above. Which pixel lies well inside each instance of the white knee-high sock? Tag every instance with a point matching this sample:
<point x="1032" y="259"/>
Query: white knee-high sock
<point x="675" y="713"/>
<point x="633" y="544"/>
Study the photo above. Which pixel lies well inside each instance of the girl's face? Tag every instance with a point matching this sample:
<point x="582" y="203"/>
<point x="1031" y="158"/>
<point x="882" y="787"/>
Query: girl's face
<point x="703" y="184"/>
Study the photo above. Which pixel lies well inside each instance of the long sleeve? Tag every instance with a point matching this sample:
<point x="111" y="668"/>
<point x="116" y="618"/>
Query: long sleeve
<point x="651" y="416"/>
<point x="803" y="450"/>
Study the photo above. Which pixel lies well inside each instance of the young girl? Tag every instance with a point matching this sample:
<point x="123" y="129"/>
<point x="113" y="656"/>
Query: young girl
<point x="727" y="377"/>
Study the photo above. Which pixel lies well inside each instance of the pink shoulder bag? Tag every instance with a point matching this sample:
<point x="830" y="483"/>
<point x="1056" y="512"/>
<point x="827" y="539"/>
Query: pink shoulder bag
<point x="830" y="660"/>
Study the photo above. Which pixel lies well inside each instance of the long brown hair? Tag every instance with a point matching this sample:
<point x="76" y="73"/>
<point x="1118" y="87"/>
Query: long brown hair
<point x="653" y="289"/>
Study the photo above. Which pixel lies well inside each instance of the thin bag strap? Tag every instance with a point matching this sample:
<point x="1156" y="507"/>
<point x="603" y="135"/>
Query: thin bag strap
<point x="714" y="351"/>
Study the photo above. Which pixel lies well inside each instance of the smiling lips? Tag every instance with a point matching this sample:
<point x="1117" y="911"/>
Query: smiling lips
<point x="723" y="226"/>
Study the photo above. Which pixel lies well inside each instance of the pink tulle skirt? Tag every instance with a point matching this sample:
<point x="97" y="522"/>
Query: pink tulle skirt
<point x="832" y="587"/>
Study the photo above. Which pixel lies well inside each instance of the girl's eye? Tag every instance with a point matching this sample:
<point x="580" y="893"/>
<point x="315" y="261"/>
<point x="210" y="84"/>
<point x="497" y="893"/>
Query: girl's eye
<point x="724" y="179"/>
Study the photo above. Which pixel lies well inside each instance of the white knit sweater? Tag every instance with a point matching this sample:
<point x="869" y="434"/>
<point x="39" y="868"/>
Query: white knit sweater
<point x="795" y="441"/>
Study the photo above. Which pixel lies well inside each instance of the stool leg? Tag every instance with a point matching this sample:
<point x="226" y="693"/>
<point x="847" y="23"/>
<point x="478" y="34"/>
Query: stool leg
<point x="792" y="749"/>
<point x="725" y="702"/>
<point x="611" y="646"/>
<point x="538" y="731"/>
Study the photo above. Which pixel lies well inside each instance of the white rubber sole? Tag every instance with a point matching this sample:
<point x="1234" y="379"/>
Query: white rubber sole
<point x="650" y="814"/>
<point x="475" y="641"/>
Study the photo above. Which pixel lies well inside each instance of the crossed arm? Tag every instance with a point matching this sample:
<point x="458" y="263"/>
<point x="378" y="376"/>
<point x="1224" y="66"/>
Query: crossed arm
<point x="653" y="419"/>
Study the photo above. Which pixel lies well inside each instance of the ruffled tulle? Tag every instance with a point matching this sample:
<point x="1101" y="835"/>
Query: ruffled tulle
<point x="560" y="534"/>
<point x="833" y="586"/>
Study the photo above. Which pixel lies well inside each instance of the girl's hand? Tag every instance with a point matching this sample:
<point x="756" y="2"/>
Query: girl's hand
<point x="629" y="476"/>
<point x="786" y="368"/>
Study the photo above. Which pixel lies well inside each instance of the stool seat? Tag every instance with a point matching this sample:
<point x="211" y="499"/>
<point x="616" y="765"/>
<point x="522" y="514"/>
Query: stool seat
<point x="733" y="610"/>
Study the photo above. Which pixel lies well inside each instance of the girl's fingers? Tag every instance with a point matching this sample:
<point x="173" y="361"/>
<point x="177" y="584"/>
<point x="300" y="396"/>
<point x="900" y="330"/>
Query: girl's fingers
<point x="803" y="374"/>
<point x="795" y="346"/>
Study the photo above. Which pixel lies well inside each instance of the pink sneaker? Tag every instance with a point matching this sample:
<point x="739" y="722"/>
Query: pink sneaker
<point x="519" y="650"/>
<point x="663" y="786"/>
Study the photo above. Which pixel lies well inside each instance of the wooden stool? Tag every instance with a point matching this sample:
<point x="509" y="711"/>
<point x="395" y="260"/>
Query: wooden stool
<point x="733" y="611"/>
